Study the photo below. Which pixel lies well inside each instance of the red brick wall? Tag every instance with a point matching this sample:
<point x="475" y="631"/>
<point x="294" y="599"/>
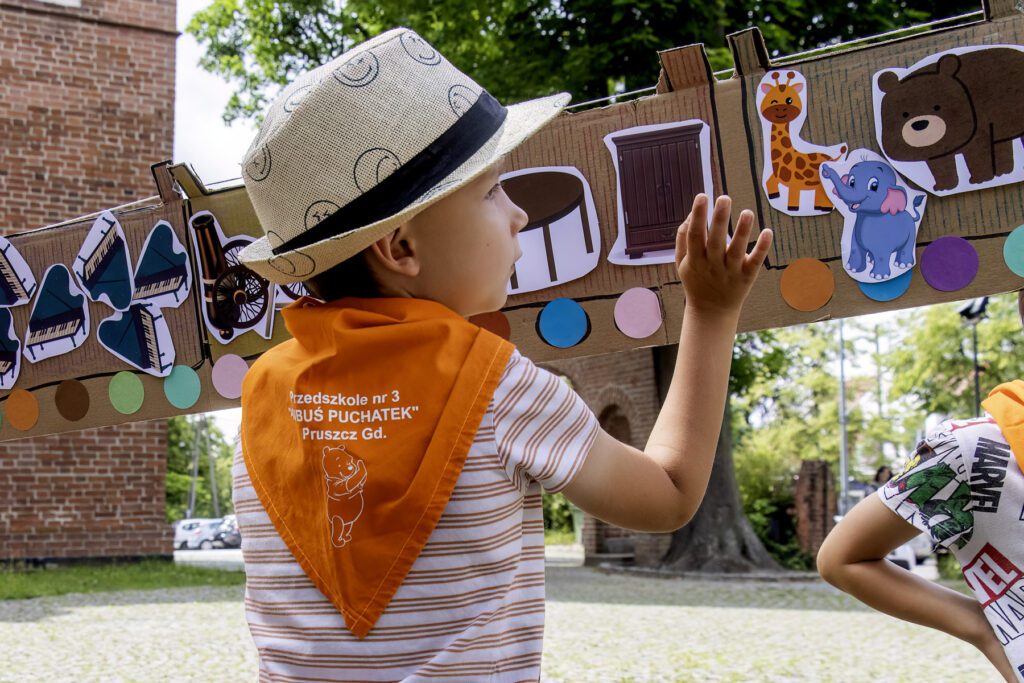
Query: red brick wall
<point x="98" y="492"/>
<point x="815" y="502"/>
<point x="86" y="105"/>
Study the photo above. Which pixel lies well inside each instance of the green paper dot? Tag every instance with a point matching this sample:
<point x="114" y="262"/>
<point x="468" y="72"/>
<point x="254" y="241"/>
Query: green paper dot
<point x="182" y="387"/>
<point x="1013" y="251"/>
<point x="126" y="392"/>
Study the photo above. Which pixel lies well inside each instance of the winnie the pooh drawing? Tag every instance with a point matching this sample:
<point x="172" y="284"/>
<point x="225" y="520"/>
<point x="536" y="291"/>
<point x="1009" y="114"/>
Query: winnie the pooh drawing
<point x="346" y="476"/>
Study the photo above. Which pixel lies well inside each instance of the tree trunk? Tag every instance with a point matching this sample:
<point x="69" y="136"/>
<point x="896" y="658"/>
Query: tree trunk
<point x="719" y="538"/>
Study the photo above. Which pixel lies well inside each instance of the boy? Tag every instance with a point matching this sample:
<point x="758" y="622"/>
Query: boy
<point x="392" y="453"/>
<point x="964" y="488"/>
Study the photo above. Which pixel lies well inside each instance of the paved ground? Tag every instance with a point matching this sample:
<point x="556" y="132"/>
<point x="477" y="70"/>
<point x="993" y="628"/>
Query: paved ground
<point x="601" y="627"/>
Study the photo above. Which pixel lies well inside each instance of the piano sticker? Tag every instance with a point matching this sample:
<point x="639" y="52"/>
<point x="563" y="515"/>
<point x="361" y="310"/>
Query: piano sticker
<point x="139" y="337"/>
<point x="10" y="351"/>
<point x="235" y="299"/>
<point x="17" y="283"/>
<point x="163" y="277"/>
<point x="60" y="316"/>
<point x="102" y="265"/>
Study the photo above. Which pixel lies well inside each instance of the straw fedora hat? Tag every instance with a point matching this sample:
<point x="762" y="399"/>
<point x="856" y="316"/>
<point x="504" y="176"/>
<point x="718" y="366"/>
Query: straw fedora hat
<point x="354" y="148"/>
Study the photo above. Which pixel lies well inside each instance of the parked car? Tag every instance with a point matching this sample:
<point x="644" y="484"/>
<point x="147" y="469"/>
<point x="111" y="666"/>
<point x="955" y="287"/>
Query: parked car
<point x="202" y="536"/>
<point x="183" y="530"/>
<point x="228" y="535"/>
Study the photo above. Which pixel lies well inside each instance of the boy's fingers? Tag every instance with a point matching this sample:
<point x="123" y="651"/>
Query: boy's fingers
<point x="758" y="254"/>
<point x="684" y="227"/>
<point x="737" y="248"/>
<point x="695" y="234"/>
<point x="719" y="226"/>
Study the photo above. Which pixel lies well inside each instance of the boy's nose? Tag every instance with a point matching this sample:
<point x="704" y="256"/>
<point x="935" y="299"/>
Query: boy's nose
<point x="519" y="218"/>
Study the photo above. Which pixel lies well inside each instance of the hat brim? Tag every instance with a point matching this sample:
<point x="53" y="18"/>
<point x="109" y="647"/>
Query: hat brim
<point x="523" y="120"/>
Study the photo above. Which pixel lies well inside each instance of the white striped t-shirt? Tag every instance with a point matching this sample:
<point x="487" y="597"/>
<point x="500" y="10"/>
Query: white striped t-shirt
<point x="472" y="606"/>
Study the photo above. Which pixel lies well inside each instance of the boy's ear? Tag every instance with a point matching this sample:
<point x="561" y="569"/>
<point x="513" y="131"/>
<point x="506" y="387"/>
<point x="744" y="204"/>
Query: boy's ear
<point x="396" y="252"/>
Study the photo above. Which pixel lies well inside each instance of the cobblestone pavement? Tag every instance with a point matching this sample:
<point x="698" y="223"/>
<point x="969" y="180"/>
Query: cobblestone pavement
<point x="601" y="627"/>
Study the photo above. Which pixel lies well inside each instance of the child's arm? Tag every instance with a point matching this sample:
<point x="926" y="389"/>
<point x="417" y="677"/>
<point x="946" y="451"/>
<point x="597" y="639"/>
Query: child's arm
<point x="853" y="560"/>
<point x="660" y="488"/>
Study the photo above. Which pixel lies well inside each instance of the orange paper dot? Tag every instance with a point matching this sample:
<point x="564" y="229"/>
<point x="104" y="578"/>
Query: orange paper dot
<point x="807" y="284"/>
<point x="495" y="322"/>
<point x="22" y="410"/>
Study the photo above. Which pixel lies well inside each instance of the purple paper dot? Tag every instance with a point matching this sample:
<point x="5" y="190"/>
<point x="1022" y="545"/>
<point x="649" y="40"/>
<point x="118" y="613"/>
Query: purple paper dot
<point x="949" y="263"/>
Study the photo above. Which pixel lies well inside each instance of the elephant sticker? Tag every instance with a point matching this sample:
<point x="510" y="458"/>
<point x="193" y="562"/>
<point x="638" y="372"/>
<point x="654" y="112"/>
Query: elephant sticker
<point x="952" y="122"/>
<point x="345" y="477"/>
<point x="882" y="216"/>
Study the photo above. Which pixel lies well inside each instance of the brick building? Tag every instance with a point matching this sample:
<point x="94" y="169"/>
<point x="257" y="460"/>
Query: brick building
<point x="622" y="391"/>
<point x="86" y="105"/>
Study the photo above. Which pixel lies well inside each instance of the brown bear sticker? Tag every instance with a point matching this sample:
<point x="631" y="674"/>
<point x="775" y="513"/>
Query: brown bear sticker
<point x="952" y="122"/>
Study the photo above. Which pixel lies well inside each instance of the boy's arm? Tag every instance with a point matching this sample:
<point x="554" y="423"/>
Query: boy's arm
<point x="660" y="488"/>
<point x="853" y="560"/>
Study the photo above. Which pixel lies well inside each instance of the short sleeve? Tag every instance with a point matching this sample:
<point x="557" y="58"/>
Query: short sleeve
<point x="542" y="428"/>
<point x="933" y="493"/>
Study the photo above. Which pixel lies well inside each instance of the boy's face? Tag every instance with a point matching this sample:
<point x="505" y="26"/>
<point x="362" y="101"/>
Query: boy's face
<point x="467" y="245"/>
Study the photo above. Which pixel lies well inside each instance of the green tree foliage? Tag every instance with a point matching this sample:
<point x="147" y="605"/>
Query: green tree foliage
<point x="181" y="438"/>
<point x="933" y="361"/>
<point x="519" y="49"/>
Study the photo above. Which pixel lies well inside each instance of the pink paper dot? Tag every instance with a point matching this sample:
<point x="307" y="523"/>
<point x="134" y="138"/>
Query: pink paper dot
<point x="228" y="372"/>
<point x="638" y="313"/>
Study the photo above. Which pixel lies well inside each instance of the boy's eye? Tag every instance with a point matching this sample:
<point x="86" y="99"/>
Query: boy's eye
<point x="494" y="190"/>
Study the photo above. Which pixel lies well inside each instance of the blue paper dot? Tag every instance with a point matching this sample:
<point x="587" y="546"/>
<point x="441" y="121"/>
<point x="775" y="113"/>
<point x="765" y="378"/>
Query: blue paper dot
<point x="1013" y="251"/>
<point x="563" y="323"/>
<point x="888" y="290"/>
<point x="182" y="387"/>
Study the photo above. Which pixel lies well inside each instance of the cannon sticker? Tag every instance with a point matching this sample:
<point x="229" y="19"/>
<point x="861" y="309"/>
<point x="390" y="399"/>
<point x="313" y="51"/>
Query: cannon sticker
<point x="234" y="298"/>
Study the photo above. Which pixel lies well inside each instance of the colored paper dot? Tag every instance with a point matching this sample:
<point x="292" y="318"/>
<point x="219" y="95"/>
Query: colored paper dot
<point x="638" y="313"/>
<point x="182" y="387"/>
<point x="72" y="400"/>
<point x="563" y="323"/>
<point x="1013" y="251"/>
<point x="496" y="322"/>
<point x="228" y="373"/>
<point x="807" y="284"/>
<point x="22" y="409"/>
<point x="949" y="263"/>
<point x="126" y="392"/>
<point x="888" y="290"/>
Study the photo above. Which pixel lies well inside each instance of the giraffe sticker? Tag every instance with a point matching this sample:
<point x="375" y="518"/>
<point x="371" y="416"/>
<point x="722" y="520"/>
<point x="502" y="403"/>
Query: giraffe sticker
<point x="791" y="171"/>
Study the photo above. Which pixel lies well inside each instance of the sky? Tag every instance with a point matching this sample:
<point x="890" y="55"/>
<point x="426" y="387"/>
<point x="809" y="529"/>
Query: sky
<point x="200" y="136"/>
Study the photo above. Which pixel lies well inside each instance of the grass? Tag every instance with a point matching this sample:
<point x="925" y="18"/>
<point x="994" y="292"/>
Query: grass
<point x="18" y="583"/>
<point x="559" y="537"/>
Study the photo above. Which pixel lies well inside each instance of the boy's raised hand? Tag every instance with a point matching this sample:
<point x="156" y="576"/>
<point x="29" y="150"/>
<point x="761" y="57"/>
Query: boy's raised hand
<point x="717" y="277"/>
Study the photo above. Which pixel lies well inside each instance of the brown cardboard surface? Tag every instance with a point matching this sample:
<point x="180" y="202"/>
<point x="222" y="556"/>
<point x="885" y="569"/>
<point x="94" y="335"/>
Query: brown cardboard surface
<point x="839" y="108"/>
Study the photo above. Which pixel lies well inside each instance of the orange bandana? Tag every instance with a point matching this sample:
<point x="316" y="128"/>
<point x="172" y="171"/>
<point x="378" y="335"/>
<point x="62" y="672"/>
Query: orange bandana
<point x="355" y="431"/>
<point x="1006" y="405"/>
